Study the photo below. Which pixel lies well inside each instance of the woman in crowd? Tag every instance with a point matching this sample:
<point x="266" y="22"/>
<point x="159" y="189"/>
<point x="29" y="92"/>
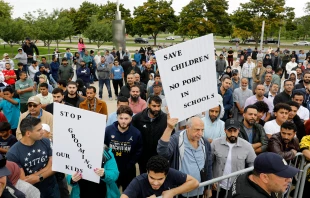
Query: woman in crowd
<point x="81" y="47"/>
<point x="267" y="61"/>
<point x="106" y="188"/>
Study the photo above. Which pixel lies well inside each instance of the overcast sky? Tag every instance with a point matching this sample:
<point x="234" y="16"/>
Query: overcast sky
<point x="24" y="6"/>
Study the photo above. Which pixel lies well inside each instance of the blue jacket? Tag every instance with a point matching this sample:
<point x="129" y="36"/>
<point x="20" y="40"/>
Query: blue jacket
<point x="84" y="74"/>
<point x="110" y="176"/>
<point x="228" y="102"/>
<point x="54" y="70"/>
<point x="137" y="57"/>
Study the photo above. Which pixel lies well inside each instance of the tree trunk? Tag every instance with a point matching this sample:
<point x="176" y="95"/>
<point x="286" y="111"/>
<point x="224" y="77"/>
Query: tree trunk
<point x="70" y="39"/>
<point x="12" y="50"/>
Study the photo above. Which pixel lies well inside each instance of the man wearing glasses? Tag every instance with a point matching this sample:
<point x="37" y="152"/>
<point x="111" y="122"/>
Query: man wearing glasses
<point x="35" y="110"/>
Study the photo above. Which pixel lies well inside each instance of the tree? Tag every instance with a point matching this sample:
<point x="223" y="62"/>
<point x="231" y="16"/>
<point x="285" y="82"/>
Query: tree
<point x="155" y="16"/>
<point x="307" y="8"/>
<point x="84" y="15"/>
<point x="5" y="9"/>
<point x="99" y="31"/>
<point x="218" y="17"/>
<point x="71" y="14"/>
<point x="193" y="21"/>
<point x="106" y="13"/>
<point x="11" y="31"/>
<point x="250" y="15"/>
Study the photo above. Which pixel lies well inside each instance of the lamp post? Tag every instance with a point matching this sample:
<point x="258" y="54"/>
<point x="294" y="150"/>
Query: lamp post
<point x="118" y="29"/>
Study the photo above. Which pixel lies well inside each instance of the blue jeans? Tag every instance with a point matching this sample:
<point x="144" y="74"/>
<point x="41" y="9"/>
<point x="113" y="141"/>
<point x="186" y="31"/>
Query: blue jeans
<point x="101" y="84"/>
<point x="81" y="54"/>
<point x="250" y="83"/>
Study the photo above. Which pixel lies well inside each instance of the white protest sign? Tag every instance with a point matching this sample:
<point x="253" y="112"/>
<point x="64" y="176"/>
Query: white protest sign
<point x="188" y="76"/>
<point x="78" y="140"/>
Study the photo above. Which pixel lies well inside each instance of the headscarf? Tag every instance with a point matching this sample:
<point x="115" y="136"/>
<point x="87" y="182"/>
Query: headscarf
<point x="15" y="172"/>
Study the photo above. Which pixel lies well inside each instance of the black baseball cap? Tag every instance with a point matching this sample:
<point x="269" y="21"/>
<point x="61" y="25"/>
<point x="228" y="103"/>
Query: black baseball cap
<point x="232" y="123"/>
<point x="273" y="163"/>
<point x="157" y="83"/>
<point x="235" y="71"/>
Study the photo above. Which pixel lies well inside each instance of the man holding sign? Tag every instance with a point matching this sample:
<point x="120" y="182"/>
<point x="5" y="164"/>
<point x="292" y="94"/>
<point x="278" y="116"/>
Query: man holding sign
<point x="33" y="154"/>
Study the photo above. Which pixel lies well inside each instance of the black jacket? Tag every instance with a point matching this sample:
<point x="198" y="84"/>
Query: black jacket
<point x="125" y="91"/>
<point x="145" y="76"/>
<point x="301" y="131"/>
<point x="118" y="55"/>
<point x="281" y="98"/>
<point x="300" y="85"/>
<point x="126" y="64"/>
<point x="259" y="135"/>
<point x="243" y="187"/>
<point x="136" y="69"/>
<point x="29" y="49"/>
<point x="151" y="131"/>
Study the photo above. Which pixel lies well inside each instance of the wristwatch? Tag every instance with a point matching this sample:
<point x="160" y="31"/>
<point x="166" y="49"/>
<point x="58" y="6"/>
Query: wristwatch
<point x="41" y="178"/>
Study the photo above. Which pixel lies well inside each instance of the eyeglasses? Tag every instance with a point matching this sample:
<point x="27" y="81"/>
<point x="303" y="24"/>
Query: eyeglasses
<point x="32" y="105"/>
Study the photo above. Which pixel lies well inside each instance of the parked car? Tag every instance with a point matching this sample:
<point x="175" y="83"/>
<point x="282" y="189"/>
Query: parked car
<point x="271" y="40"/>
<point x="141" y="40"/>
<point x="250" y="40"/>
<point x="170" y="38"/>
<point x="306" y="43"/>
<point x="235" y="40"/>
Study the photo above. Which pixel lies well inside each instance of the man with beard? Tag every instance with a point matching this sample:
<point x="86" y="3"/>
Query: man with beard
<point x="135" y="102"/>
<point x="139" y="83"/>
<point x="196" y="155"/>
<point x="214" y="126"/>
<point x="259" y="96"/>
<point x="273" y="91"/>
<point x="293" y="117"/>
<point x="302" y="112"/>
<point x="146" y="73"/>
<point x="125" y="90"/>
<point x="303" y="83"/>
<point x="286" y="94"/>
<point x="251" y="131"/>
<point x="226" y="93"/>
<point x="230" y="154"/>
<point x="240" y="95"/>
<point x="284" y="142"/>
<point x="126" y="143"/>
<point x="58" y="97"/>
<point x="92" y="103"/>
<point x="71" y="95"/>
<point x="83" y="73"/>
<point x="151" y="122"/>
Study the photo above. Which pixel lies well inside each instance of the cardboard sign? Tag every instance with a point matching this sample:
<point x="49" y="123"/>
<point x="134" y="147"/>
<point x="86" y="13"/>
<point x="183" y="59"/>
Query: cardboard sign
<point x="188" y="76"/>
<point x="78" y="141"/>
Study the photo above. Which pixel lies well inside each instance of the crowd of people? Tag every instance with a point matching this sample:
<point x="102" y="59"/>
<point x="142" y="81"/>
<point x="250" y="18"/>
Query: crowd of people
<point x="261" y="120"/>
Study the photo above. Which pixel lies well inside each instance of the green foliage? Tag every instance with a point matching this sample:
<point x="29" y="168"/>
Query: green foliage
<point x="71" y="14"/>
<point x="154" y="16"/>
<point x="193" y="20"/>
<point x="5" y="9"/>
<point x="218" y="17"/>
<point x="250" y="15"/>
<point x="99" y="31"/>
<point x="84" y="15"/>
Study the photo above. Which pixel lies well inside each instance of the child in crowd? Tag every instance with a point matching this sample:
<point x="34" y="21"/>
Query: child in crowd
<point x="7" y="140"/>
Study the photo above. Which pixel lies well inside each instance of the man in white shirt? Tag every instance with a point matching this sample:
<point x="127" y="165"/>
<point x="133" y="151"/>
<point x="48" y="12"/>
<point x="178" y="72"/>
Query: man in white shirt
<point x="290" y="65"/>
<point x="280" y="111"/>
<point x="302" y="112"/>
<point x="45" y="97"/>
<point x="273" y="90"/>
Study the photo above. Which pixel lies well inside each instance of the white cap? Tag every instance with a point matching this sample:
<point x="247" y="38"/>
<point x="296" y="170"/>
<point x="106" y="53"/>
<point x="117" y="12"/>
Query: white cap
<point x="46" y="127"/>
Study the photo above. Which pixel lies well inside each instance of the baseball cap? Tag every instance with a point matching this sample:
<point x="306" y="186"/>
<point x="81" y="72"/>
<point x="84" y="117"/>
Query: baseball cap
<point x="235" y="71"/>
<point x="34" y="99"/>
<point x="46" y="127"/>
<point x="4" y="171"/>
<point x="5" y="54"/>
<point x="232" y="123"/>
<point x="157" y="84"/>
<point x="268" y="66"/>
<point x="41" y="65"/>
<point x="273" y="163"/>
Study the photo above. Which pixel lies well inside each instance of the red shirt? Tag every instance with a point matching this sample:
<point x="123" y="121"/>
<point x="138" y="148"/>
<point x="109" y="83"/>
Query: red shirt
<point x="10" y="72"/>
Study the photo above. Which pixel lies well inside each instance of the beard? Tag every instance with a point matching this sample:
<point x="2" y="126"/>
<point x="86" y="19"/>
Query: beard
<point x="232" y="139"/>
<point x="307" y="81"/>
<point x="134" y="98"/>
<point x="154" y="113"/>
<point x="123" y="126"/>
<point x="250" y="122"/>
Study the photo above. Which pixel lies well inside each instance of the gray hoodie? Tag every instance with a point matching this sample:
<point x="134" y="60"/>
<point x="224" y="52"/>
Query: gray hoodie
<point x="103" y="71"/>
<point x="21" y="57"/>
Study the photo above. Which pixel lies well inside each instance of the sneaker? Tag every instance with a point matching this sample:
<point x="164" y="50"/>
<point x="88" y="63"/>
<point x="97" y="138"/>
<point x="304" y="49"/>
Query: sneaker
<point x="111" y="98"/>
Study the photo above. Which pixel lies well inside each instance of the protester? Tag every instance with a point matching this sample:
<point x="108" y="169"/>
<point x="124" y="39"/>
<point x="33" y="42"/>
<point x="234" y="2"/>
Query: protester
<point x="123" y="133"/>
<point x="187" y="156"/>
<point x="160" y="180"/>
<point x="92" y="103"/>
<point x="271" y="175"/>
<point x="247" y="71"/>
<point x="58" y="97"/>
<point x="7" y="140"/>
<point x="71" y="96"/>
<point x="108" y="174"/>
<point x="226" y="93"/>
<point x="45" y="97"/>
<point x="262" y="109"/>
<point x="65" y="71"/>
<point x="294" y="118"/>
<point x="302" y="112"/>
<point x="286" y="94"/>
<point x="135" y="102"/>
<point x="240" y="95"/>
<point x="117" y="75"/>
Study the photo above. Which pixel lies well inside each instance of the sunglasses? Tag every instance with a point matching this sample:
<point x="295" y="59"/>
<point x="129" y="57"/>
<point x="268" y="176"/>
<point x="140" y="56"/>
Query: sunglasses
<point x="32" y="105"/>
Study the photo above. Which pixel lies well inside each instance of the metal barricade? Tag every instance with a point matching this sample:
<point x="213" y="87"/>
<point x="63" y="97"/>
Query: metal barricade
<point x="303" y="181"/>
<point x="298" y="162"/>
